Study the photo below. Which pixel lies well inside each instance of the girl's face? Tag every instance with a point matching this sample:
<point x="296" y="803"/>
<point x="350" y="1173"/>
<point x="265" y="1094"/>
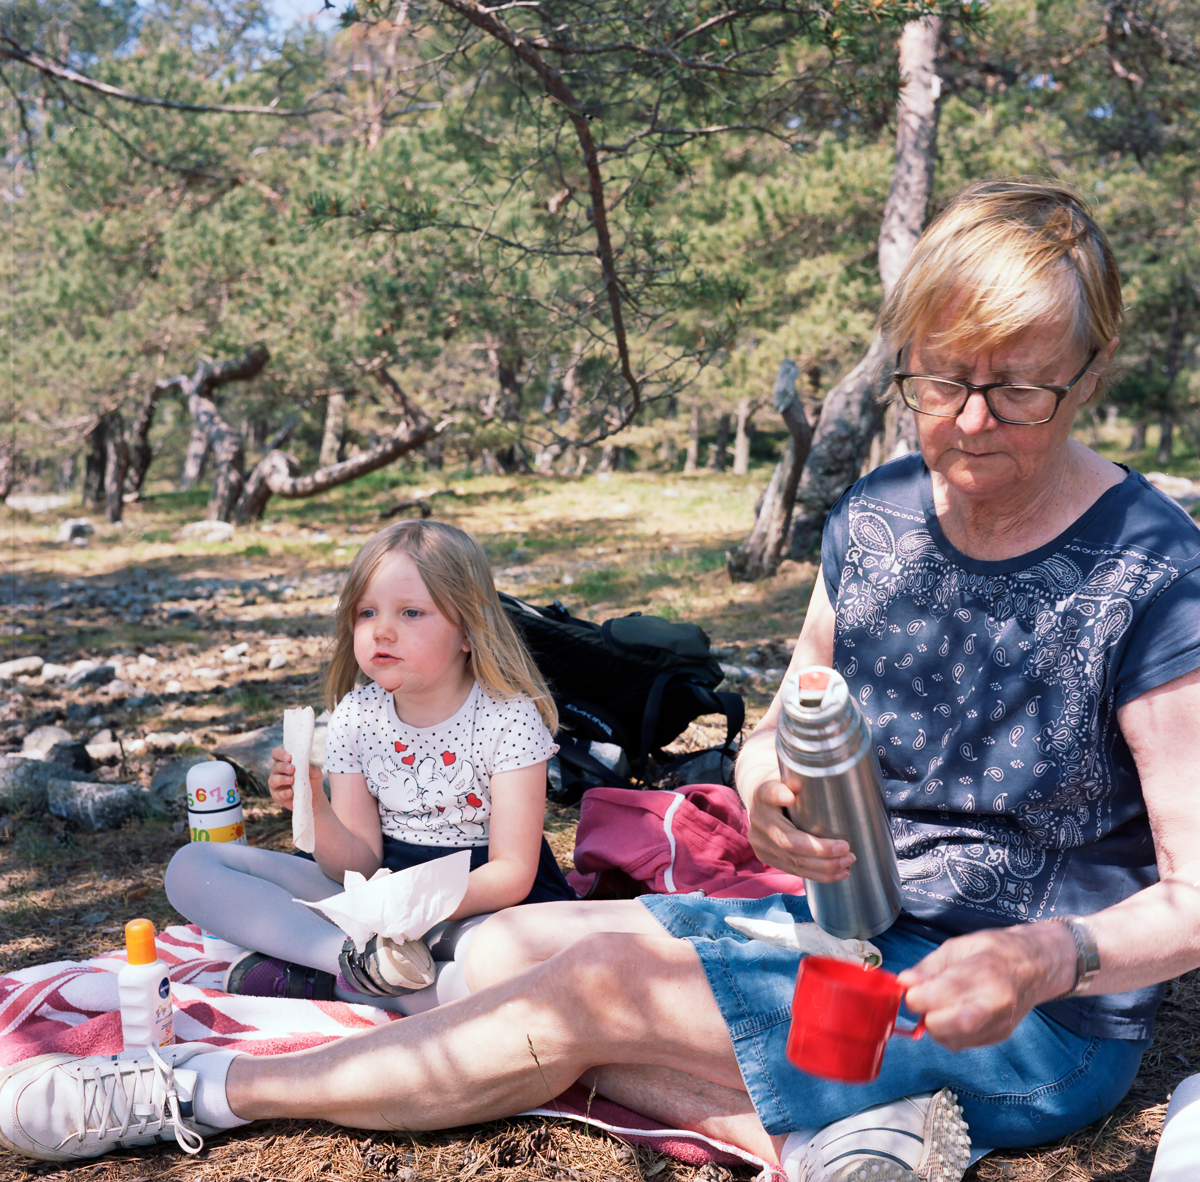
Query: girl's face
<point x="401" y="640"/>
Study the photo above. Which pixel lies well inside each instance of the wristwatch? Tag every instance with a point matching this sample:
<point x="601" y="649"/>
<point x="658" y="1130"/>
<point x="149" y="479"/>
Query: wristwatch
<point x="1087" y="955"/>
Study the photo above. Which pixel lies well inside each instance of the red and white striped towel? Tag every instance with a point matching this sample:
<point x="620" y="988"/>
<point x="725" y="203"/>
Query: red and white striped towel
<point x="71" y="1006"/>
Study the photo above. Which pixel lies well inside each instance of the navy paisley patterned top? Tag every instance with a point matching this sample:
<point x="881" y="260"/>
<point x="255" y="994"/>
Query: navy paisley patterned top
<point x="992" y="691"/>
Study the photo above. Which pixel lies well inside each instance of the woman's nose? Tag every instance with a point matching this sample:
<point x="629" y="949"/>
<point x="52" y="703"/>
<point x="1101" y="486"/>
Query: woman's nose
<point x="976" y="415"/>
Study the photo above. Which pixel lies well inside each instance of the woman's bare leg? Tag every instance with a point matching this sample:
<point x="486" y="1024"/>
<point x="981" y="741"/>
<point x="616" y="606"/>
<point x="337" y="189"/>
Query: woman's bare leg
<point x="512" y="941"/>
<point x="628" y="1000"/>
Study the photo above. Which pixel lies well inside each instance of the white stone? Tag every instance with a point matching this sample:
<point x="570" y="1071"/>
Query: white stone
<point x="32" y="503"/>
<point x="173" y="687"/>
<point x="21" y="666"/>
<point x="234" y="651"/>
<point x="278" y="661"/>
<point x="54" y="672"/>
<point x="145" y="659"/>
<point x="76" y="529"/>
<point x="206" y="531"/>
<point x="206" y="673"/>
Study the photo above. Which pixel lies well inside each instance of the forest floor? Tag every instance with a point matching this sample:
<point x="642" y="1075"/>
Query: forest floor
<point x="602" y="545"/>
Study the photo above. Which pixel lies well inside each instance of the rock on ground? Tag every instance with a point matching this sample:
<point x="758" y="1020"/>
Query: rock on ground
<point x="250" y="754"/>
<point x="21" y="667"/>
<point x="24" y="782"/>
<point x="95" y="806"/>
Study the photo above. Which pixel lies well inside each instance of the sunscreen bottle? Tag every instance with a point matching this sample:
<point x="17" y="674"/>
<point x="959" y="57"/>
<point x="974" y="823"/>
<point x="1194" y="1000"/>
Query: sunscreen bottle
<point x="147" y="1013"/>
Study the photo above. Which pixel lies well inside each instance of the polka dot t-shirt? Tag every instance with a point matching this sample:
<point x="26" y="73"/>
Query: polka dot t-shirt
<point x="432" y="782"/>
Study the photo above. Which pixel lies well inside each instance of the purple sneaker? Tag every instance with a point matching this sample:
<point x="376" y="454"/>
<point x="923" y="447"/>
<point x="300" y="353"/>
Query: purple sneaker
<point x="256" y="975"/>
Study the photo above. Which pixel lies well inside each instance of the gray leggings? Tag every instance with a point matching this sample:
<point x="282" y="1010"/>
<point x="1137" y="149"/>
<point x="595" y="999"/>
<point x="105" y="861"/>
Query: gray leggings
<point x="246" y="896"/>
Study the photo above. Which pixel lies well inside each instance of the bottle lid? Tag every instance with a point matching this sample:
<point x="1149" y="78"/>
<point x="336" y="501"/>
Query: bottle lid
<point x="139" y="942"/>
<point x="216" y="773"/>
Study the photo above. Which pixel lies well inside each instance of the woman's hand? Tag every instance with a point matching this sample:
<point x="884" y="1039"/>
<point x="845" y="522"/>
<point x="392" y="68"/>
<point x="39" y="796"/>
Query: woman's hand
<point x="974" y="989"/>
<point x="780" y="844"/>
<point x="283" y="777"/>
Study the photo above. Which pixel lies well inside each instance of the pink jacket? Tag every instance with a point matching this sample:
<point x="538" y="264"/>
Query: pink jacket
<point x="633" y="843"/>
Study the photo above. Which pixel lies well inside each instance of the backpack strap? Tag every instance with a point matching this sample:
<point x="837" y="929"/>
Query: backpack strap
<point x="729" y="704"/>
<point x="576" y="753"/>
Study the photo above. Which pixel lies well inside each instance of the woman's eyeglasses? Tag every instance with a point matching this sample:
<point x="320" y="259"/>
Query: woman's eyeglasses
<point x="945" y="398"/>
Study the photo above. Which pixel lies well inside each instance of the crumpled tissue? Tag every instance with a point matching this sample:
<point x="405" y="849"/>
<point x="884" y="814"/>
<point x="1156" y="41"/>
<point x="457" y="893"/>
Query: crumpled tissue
<point x="402" y="906"/>
<point x="806" y="937"/>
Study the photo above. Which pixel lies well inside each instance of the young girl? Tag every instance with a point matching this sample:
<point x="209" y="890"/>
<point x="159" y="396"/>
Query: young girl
<point x="438" y="741"/>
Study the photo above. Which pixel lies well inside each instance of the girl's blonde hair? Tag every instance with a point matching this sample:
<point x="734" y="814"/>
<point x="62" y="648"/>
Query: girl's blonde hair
<point x="1002" y="257"/>
<point x="455" y="571"/>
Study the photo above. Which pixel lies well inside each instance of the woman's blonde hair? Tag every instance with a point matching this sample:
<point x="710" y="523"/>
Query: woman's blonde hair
<point x="1002" y="257"/>
<point x="455" y="571"/>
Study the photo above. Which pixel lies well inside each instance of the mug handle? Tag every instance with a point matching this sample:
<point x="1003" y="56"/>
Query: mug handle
<point x="910" y="1031"/>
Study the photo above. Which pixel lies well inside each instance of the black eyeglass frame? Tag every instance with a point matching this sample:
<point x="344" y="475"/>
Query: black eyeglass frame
<point x="1059" y="392"/>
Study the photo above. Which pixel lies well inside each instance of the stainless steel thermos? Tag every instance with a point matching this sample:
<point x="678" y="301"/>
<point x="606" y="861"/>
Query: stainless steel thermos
<point x="827" y="758"/>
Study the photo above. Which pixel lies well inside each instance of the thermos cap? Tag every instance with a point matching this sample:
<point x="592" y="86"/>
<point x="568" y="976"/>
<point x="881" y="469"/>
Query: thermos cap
<point x="213" y="774"/>
<point x="814" y="691"/>
<point x="139" y="942"/>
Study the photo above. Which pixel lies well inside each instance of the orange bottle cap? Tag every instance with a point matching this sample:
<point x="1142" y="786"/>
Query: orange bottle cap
<point x="139" y="942"/>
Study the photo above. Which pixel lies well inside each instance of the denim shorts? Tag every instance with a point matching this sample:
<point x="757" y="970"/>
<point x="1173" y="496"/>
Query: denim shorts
<point x="1040" y="1084"/>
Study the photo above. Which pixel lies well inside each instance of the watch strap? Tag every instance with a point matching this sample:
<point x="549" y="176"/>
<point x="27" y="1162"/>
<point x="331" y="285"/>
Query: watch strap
<point x="1087" y="955"/>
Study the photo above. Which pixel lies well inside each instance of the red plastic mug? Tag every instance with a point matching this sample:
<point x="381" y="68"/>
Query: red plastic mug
<point x="843" y="1014"/>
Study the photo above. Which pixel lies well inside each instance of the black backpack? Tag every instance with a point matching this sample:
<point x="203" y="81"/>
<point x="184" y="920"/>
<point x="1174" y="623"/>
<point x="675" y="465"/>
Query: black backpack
<point x="635" y="681"/>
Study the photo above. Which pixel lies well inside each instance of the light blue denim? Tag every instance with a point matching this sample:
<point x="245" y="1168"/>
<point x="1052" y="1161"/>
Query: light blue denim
<point x="1038" y="1085"/>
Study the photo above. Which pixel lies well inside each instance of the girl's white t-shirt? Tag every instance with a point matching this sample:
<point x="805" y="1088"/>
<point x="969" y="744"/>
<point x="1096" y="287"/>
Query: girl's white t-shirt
<point x="432" y="783"/>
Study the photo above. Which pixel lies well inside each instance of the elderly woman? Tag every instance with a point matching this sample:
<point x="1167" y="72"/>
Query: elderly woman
<point x="1020" y="621"/>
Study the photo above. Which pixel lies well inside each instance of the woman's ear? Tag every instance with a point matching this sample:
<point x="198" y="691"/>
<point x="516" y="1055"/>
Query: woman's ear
<point x="1099" y="367"/>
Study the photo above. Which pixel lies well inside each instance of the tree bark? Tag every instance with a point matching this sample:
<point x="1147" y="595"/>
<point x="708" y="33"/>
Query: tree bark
<point x="140" y="454"/>
<point x="97" y="461"/>
<point x="1166" y="435"/>
<point x="196" y="458"/>
<point x="333" y="438"/>
<point x="115" y="468"/>
<point x="851" y="413"/>
<point x="1137" y="439"/>
<point x="693" y="447"/>
<point x="8" y="469"/>
<point x="610" y="457"/>
<point x="274" y="473"/>
<point x="208" y="426"/>
<point x="759" y="555"/>
<point x="720" y="452"/>
<point x="741" y="437"/>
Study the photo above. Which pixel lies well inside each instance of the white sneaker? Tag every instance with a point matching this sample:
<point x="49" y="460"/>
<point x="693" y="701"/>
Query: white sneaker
<point x="917" y="1139"/>
<point x="61" y="1107"/>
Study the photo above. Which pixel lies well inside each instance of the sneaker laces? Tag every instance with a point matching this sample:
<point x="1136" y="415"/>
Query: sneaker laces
<point x="99" y="1087"/>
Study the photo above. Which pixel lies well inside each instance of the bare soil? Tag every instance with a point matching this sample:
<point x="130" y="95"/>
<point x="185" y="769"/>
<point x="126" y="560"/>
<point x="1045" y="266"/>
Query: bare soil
<point x="602" y="546"/>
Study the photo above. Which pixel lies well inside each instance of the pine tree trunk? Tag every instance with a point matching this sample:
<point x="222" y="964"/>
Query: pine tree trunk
<point x="741" y="438"/>
<point x="693" y="447"/>
<point x="97" y="462"/>
<point x="610" y="457"/>
<point x="759" y="555"/>
<point x="851" y="412"/>
<point x="115" y="468"/>
<point x="1137" y="440"/>
<point x="720" y="451"/>
<point x="333" y="439"/>
<point x="1166" y="435"/>
<point x="196" y="459"/>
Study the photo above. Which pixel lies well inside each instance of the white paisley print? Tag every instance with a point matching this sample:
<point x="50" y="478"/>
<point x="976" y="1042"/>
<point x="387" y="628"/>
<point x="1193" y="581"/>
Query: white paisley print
<point x="991" y="690"/>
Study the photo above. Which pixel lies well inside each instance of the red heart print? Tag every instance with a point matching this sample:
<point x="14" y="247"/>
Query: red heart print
<point x="474" y="800"/>
<point x="401" y="746"/>
<point x="408" y="759"/>
<point x="441" y="808"/>
<point x="448" y="757"/>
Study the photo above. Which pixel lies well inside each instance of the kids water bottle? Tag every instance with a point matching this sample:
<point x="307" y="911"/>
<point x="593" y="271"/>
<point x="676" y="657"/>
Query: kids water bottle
<point x="827" y="758"/>
<point x="144" y="990"/>
<point x="214" y="809"/>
